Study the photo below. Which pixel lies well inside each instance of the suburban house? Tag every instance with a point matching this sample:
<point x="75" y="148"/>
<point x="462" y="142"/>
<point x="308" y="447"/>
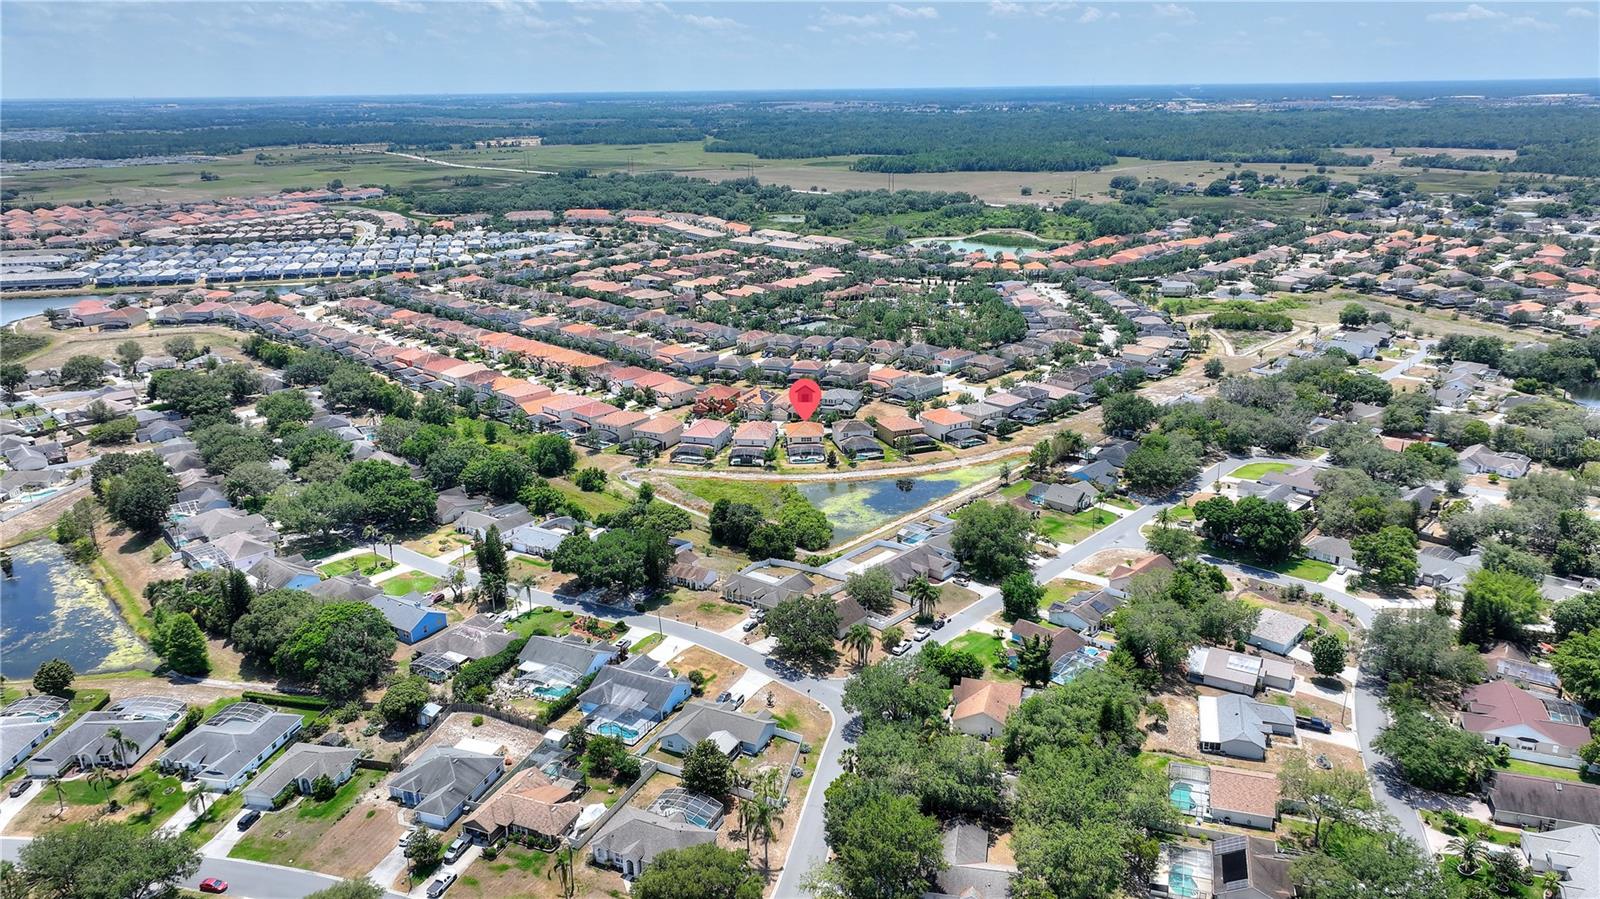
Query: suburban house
<point x="411" y="621"/>
<point x="633" y="838"/>
<point x="625" y="702"/>
<point x="88" y="742"/>
<point x="454" y="503"/>
<point x="550" y="666"/>
<point x="543" y="538"/>
<point x="25" y="724"/>
<point x="1244" y="798"/>
<point x="529" y="805"/>
<point x="968" y="872"/>
<point x="1479" y="459"/>
<point x="732" y="732"/>
<point x="855" y="441"/>
<point x="1541" y="803"/>
<point x="751" y="440"/>
<point x="803" y="442"/>
<point x="1277" y="631"/>
<point x="1333" y="550"/>
<point x="1573" y="853"/>
<point x="1240" y="727"/>
<point x="1121" y="576"/>
<point x="1249" y="868"/>
<point x="980" y="707"/>
<point x="1068" y="498"/>
<point x="1085" y="612"/>
<point x="702" y="440"/>
<point x="440" y="783"/>
<point x="1237" y="672"/>
<point x="229" y="746"/>
<point x="275" y="573"/>
<point x="1534" y="727"/>
<point x="300" y="768"/>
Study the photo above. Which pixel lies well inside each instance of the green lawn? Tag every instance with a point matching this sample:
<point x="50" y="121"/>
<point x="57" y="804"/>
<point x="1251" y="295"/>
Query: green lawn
<point x="762" y="495"/>
<point x="1458" y="885"/>
<point x="410" y="582"/>
<point x="1256" y="469"/>
<point x="604" y="502"/>
<point x="301" y="827"/>
<point x="1299" y="566"/>
<point x="218" y="813"/>
<point x="1120" y="502"/>
<point x="986" y="647"/>
<point x="646" y="644"/>
<point x="1180" y="513"/>
<point x="1015" y="489"/>
<point x="1518" y="766"/>
<point x="1073" y="528"/>
<point x="1485" y="832"/>
<point x="1061" y="591"/>
<point x="547" y="621"/>
<point x="166" y="797"/>
<point x="362" y="563"/>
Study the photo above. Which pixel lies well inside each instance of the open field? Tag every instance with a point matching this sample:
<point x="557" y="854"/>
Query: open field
<point x="1257" y="470"/>
<point x="290" y="168"/>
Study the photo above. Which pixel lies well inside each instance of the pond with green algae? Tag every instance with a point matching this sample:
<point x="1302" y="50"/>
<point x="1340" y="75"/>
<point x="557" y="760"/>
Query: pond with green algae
<point x="52" y="607"/>
<point x="860" y="507"/>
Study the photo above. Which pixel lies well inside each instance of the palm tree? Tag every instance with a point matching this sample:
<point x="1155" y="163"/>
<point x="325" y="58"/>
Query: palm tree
<point x="369" y="533"/>
<point x="859" y="638"/>
<point x="61" y="795"/>
<point x="527" y="583"/>
<point x="563" y="870"/>
<point x="764" y="819"/>
<point x="924" y="594"/>
<point x="1471" y="850"/>
<point x="100" y="778"/>
<point x="119" y="745"/>
<point x="389" y="539"/>
<point x="1506" y="871"/>
<point x="457" y="580"/>
<point x="197" y="802"/>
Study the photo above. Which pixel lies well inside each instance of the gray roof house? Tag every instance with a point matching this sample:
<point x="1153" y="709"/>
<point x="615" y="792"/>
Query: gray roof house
<point x="455" y="502"/>
<point x="25" y="724"/>
<point x="476" y="638"/>
<point x="968" y="873"/>
<point x="142" y="720"/>
<point x="733" y="732"/>
<point x="1242" y="728"/>
<point x="1571" y="852"/>
<point x="1277" y="631"/>
<point x="1479" y="459"/>
<point x="633" y="838"/>
<point x="1069" y="497"/>
<point x="222" y="751"/>
<point x="1085" y="611"/>
<point x="299" y="768"/>
<point x="552" y="665"/>
<point x="624" y="703"/>
<point x="440" y="783"/>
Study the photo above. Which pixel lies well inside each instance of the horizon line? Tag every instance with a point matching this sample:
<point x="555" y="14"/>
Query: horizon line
<point x="1593" y="80"/>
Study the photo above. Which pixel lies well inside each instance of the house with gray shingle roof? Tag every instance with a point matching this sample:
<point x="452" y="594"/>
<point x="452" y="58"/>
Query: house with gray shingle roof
<point x="440" y="783"/>
<point x="633" y="838"/>
<point x="732" y="732"/>
<point x="300" y="768"/>
<point x="225" y="749"/>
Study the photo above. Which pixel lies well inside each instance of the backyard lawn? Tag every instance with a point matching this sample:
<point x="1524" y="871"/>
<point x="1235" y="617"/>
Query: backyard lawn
<point x="1061" y="591"/>
<point x="362" y="563"/>
<point x="1016" y="489"/>
<point x="1518" y="766"/>
<point x="1256" y="469"/>
<point x="1073" y="528"/>
<point x="546" y="621"/>
<point x="1471" y="827"/>
<point x="295" y="837"/>
<point x="410" y="582"/>
<point x="986" y="647"/>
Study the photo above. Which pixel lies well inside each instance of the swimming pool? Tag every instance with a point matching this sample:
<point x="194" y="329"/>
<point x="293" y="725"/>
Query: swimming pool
<point x="613" y="729"/>
<point x="1181" y="882"/>
<point x="1182" y="797"/>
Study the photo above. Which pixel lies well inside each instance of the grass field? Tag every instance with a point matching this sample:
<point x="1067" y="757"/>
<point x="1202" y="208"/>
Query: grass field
<point x="986" y="648"/>
<point x="1255" y="470"/>
<point x="1518" y="766"/>
<point x="1075" y="527"/>
<point x="550" y="622"/>
<point x="756" y="493"/>
<point x="362" y="563"/>
<point x="410" y="582"/>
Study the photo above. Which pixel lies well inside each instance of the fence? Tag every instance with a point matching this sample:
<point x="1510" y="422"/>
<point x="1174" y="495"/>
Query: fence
<point x="469" y="708"/>
<point x="647" y="768"/>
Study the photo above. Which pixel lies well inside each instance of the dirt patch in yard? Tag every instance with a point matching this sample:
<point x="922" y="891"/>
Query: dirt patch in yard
<point x="1107" y="559"/>
<point x="360" y="840"/>
<point x="706" y="608"/>
<point x="720" y="672"/>
<point x="517" y="741"/>
<point x="526" y="874"/>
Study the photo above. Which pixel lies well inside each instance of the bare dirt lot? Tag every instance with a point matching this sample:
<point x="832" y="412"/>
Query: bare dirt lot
<point x="518" y="741"/>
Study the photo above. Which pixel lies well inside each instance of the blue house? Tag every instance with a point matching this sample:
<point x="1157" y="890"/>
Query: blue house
<point x="411" y="620"/>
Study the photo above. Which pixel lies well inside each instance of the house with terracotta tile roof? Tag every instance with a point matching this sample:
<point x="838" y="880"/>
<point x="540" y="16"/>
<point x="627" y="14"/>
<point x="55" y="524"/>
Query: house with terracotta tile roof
<point x="980" y="707"/>
<point x="803" y="442"/>
<point x="1534" y="727"/>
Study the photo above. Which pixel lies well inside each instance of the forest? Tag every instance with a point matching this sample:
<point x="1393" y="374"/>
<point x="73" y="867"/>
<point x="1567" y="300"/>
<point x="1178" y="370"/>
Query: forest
<point x="953" y="134"/>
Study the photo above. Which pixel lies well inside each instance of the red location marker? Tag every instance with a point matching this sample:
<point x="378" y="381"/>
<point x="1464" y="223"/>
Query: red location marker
<point x="805" y="396"/>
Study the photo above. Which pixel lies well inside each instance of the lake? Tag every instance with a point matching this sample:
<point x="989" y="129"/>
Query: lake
<point x="965" y="245"/>
<point x="858" y="507"/>
<point x="14" y="310"/>
<point x="1587" y="395"/>
<point x="54" y="608"/>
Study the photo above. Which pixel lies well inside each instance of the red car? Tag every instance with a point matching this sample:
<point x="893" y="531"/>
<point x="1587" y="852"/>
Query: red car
<point x="213" y="885"/>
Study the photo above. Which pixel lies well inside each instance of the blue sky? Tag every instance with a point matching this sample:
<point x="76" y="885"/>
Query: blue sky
<point x="301" y="48"/>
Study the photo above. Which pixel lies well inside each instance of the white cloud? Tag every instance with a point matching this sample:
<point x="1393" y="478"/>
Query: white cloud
<point x="1174" y="11"/>
<point x="898" y="38"/>
<point x="913" y="12"/>
<point x="1010" y="10"/>
<point x="711" y="23"/>
<point x="1090" y="14"/>
<point x="1580" y="12"/>
<point x="1531" y="22"/>
<point x="1473" y="13"/>
<point x="848" y="20"/>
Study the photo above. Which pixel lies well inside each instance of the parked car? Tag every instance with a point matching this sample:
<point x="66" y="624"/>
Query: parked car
<point x="901" y="648"/>
<point x="921" y="634"/>
<point x="405" y="838"/>
<point x="1311" y="723"/>
<point x="213" y="885"/>
<point x="457" y="849"/>
<point x="437" y="888"/>
<point x="940" y="622"/>
<point x="751" y="625"/>
<point x="21" y="786"/>
<point x="247" y="819"/>
<point x="624" y="643"/>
